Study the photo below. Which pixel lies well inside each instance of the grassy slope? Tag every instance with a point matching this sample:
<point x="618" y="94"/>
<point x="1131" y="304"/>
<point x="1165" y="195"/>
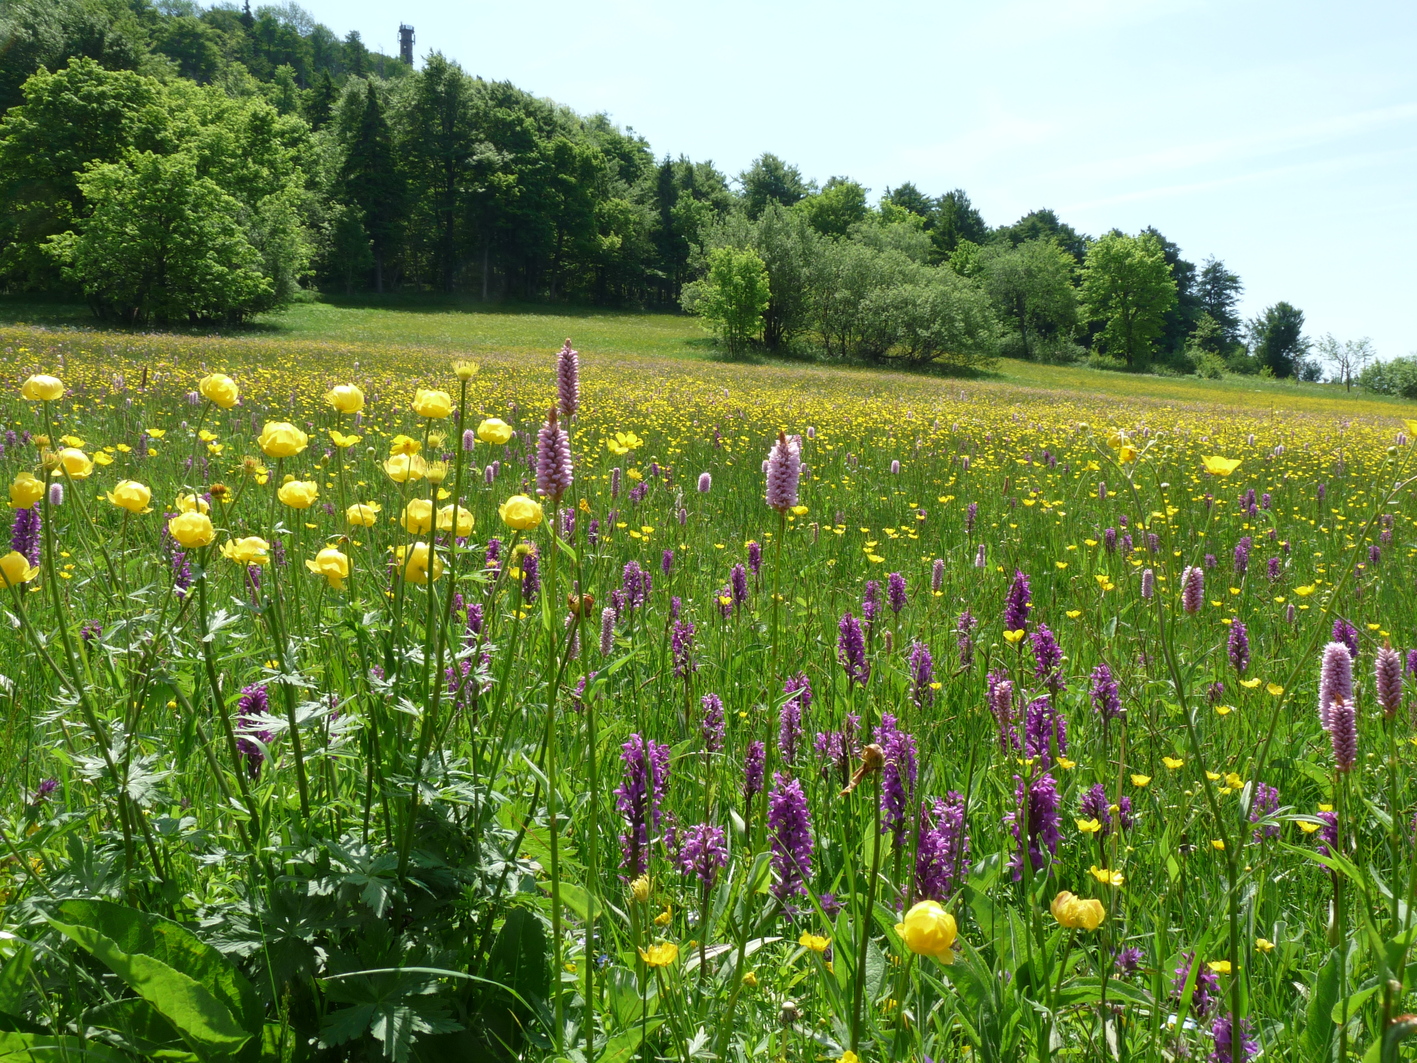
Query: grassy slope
<point x="472" y="328"/>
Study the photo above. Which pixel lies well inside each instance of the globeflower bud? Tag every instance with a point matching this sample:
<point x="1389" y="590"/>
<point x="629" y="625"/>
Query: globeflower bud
<point x="929" y="930"/>
<point x="432" y="404"/>
<point x="191" y="530"/>
<point x="42" y="388"/>
<point x="220" y="390"/>
<point x="130" y="495"/>
<point x="346" y="398"/>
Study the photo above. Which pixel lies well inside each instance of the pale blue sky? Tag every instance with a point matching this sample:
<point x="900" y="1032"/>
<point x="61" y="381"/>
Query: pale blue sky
<point x="1278" y="136"/>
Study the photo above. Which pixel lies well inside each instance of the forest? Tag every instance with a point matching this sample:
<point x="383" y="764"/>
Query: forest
<point x="174" y="164"/>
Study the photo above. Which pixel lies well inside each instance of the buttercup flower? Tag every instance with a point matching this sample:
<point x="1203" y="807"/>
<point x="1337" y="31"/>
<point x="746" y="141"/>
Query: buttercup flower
<point x="346" y="398"/>
<point x="132" y="496"/>
<point x="15" y="568"/>
<point x="413" y="563"/>
<point x="661" y="955"/>
<point x="219" y="389"/>
<point x="432" y="404"/>
<point x="520" y="513"/>
<point x="363" y="514"/>
<point x="42" y="388"/>
<point x="331" y="564"/>
<point x="25" y="490"/>
<point x="298" y="494"/>
<point x="1076" y="913"/>
<point x="929" y="930"/>
<point x="252" y="550"/>
<point x="1218" y="466"/>
<point x="494" y="430"/>
<point x="280" y="439"/>
<point x="192" y="530"/>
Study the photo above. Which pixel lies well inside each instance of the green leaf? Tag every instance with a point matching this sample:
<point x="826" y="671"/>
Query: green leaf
<point x="1350" y="1007"/>
<point x="622" y="1048"/>
<point x="579" y="901"/>
<point x="187" y="981"/>
<point x="520" y="957"/>
<point x="1318" y="1026"/>
<point x="13" y="977"/>
<point x="43" y="1048"/>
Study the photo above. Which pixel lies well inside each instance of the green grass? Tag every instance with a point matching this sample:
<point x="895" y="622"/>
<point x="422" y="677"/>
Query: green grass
<point x="468" y="326"/>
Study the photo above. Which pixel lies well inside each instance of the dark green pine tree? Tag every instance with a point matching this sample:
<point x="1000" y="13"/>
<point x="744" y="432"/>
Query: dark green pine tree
<point x="320" y="104"/>
<point x="372" y="182"/>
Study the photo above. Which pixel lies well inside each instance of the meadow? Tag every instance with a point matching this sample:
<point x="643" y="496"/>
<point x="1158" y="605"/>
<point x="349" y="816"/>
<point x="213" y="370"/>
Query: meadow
<point x="393" y="686"/>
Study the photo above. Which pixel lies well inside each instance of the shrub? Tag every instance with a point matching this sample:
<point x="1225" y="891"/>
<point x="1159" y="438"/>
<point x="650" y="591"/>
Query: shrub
<point x="1396" y="377"/>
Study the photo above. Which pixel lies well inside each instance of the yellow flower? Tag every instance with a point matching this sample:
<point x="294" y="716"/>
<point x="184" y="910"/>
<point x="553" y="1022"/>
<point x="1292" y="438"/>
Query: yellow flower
<point x="298" y="494"/>
<point x="25" y="490"/>
<point x="402" y="444"/>
<point x="1219" y="966"/>
<point x="520" y="513"/>
<point x="192" y="503"/>
<point x="624" y="442"/>
<point x="661" y="955"/>
<point x="42" y="388"/>
<point x="363" y="514"/>
<point x="798" y="511"/>
<point x="1273" y="689"/>
<point x="1012" y="637"/>
<point x="132" y="496"/>
<point x="341" y="440"/>
<point x="252" y="550"/>
<point x="1250" y="684"/>
<point x="1218" y="466"/>
<point x="1218" y="844"/>
<point x="1127" y="454"/>
<point x="1073" y="614"/>
<point x="191" y="529"/>
<point x="751" y="979"/>
<point x="417" y="516"/>
<point x="219" y="389"/>
<point x="1307" y="827"/>
<point x="494" y="430"/>
<point x="639" y="889"/>
<point x="1264" y="945"/>
<point x="413" y="563"/>
<point x="155" y="433"/>
<point x="929" y="930"/>
<point x="1076" y="913"/>
<point x="464" y="521"/>
<point x="331" y="564"/>
<point x="1089" y="826"/>
<point x="280" y="439"/>
<point x="105" y="459"/>
<point x="404" y="467"/>
<point x="1140" y="780"/>
<point x="1107" y="878"/>
<point x="427" y="403"/>
<point x="815" y="942"/>
<point x="15" y="568"/>
<point x="1172" y="762"/>
<point x="849" y="1057"/>
<point x="346" y="398"/>
<point x="1305" y="591"/>
<point x="665" y="917"/>
<point x="464" y="370"/>
<point x="1233" y="780"/>
<point x="76" y="463"/>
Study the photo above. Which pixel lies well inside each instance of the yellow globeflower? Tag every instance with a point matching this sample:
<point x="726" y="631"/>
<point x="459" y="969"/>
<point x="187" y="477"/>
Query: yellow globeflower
<point x="413" y="563"/>
<point x="252" y="550"/>
<point x="346" y="398"/>
<point x="494" y="430"/>
<point x="192" y="503"/>
<point x="520" y="513"/>
<point x="464" y="521"/>
<point x="404" y="467"/>
<point x="15" y="568"/>
<point x="41" y="388"/>
<point x="929" y="930"/>
<point x="427" y="403"/>
<point x="25" y="490"/>
<point x="661" y="955"/>
<point x="464" y="370"/>
<point x="76" y="463"/>
<point x="1076" y="913"/>
<point x="132" y="496"/>
<point x="639" y="889"/>
<point x="219" y="389"/>
<point x="1218" y="466"/>
<point x="363" y="514"/>
<point x="191" y="529"/>
<point x="417" y="516"/>
<point x="331" y="564"/>
<point x="298" y="494"/>
<point x="280" y="439"/>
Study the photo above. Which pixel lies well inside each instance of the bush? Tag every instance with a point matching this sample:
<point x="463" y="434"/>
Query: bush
<point x="1210" y="366"/>
<point x="732" y="298"/>
<point x="1098" y="360"/>
<point x="941" y="318"/>
<point x="1397" y="377"/>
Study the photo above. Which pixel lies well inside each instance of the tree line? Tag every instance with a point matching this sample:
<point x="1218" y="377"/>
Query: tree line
<point x="175" y="163"/>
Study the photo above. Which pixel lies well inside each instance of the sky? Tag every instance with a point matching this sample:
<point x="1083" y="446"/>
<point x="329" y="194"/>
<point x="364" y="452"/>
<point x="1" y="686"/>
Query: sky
<point x="1280" y="137"/>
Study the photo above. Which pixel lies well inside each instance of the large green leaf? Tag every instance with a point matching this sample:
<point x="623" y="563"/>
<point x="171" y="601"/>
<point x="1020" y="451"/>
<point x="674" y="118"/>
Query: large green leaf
<point x="189" y="983"/>
<point x="46" y="1048"/>
<point x="1318" y="1027"/>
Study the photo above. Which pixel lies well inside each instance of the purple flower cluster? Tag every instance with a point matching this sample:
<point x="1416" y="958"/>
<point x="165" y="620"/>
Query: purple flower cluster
<point x="1001" y="699"/>
<point x="1206" y="990"/>
<point x="1095" y="806"/>
<point x="1335" y="680"/>
<point x="964" y="638"/>
<point x="871" y="602"/>
<point x="568" y="381"/>
<point x="1192" y="589"/>
<point x="898" y="777"/>
<point x="711" y="722"/>
<point x="783" y="472"/>
<point x="790" y="836"/>
<point x="942" y="850"/>
<point x="703" y="853"/>
<point x="1224" y="1032"/>
<point x="553" y="459"/>
<point x="1106" y="700"/>
<point x="1238" y="646"/>
<point x="638" y="798"/>
<point x="1037" y="802"/>
<point x="24" y="534"/>
<point x="738" y="580"/>
<point x="851" y="650"/>
<point x="253" y="703"/>
<point x="1017" y="603"/>
<point x="1047" y="659"/>
<point x="895" y="591"/>
<point x="1263" y="805"/>
<point x="1347" y="634"/>
<point x="636" y="581"/>
<point x="1242" y="555"/>
<point x="754" y="765"/>
<point x="922" y="675"/>
<point x="681" y="648"/>
<point x="1045" y="730"/>
<point x="1387" y="677"/>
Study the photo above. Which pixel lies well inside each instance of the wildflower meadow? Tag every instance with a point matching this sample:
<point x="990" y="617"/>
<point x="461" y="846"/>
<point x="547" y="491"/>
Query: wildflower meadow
<point x="371" y="705"/>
